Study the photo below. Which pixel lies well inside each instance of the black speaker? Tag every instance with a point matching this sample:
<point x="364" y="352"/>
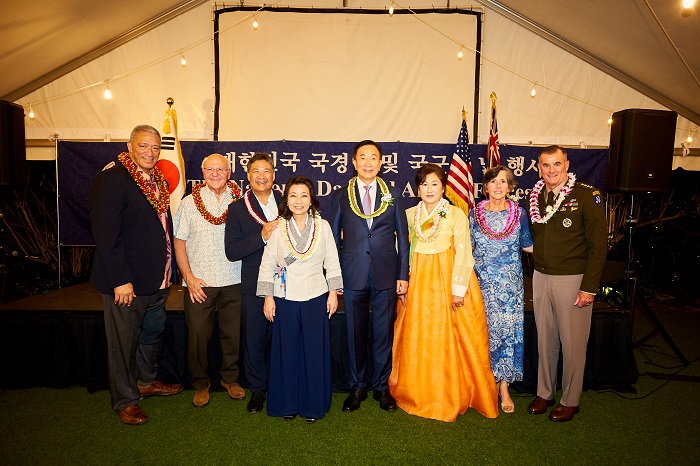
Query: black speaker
<point x="13" y="155"/>
<point x="641" y="150"/>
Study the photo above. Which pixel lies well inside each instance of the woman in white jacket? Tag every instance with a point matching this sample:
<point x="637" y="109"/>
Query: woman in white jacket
<point x="299" y="301"/>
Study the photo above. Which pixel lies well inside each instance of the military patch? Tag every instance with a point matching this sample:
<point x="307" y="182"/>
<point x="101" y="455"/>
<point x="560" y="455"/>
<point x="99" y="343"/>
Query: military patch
<point x="571" y="203"/>
<point x="597" y="199"/>
<point x="566" y="222"/>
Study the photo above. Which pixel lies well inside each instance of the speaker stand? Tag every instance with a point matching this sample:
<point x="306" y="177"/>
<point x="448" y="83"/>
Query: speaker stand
<point x="631" y="293"/>
<point x="658" y="328"/>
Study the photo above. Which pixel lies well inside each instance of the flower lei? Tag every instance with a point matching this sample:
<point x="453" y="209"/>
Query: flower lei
<point x="511" y="222"/>
<point x="161" y="203"/>
<point x="430" y="224"/>
<point x="199" y="203"/>
<point x="551" y="210"/>
<point x="249" y="207"/>
<point x="387" y="199"/>
<point x="301" y="255"/>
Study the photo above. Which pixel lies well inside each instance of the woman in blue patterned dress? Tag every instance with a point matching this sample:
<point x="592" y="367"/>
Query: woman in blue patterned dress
<point x="499" y="229"/>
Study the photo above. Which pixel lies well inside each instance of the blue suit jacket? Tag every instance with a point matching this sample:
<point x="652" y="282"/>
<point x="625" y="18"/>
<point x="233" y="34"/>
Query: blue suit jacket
<point x="243" y="241"/>
<point x="362" y="248"/>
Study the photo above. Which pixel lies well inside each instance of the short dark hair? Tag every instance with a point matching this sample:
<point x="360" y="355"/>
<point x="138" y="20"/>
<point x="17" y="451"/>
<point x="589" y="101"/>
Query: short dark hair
<point x="551" y="150"/>
<point x="293" y="181"/>
<point x="426" y="170"/>
<point x="261" y="156"/>
<point x="493" y="172"/>
<point x="366" y="142"/>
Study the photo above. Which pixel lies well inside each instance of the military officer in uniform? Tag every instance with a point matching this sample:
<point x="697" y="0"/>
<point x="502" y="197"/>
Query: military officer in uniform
<point x="569" y="230"/>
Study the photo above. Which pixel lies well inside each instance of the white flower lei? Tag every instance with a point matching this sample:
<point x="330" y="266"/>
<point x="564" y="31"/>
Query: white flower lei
<point x="441" y="212"/>
<point x="535" y="215"/>
<point x="315" y="235"/>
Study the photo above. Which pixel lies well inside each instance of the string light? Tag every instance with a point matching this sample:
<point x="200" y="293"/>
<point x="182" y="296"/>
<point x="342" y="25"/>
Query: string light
<point x="391" y="9"/>
<point x="460" y="55"/>
<point x="689" y="138"/>
<point x="31" y="113"/>
<point x="688" y="4"/>
<point x="610" y="120"/>
<point x="533" y="92"/>
<point x="183" y="61"/>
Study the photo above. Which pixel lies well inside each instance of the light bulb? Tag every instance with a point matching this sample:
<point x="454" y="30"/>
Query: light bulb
<point x="391" y="9"/>
<point x="459" y="55"/>
<point x="689" y="139"/>
<point x="108" y="94"/>
<point x="610" y="120"/>
<point x="688" y="3"/>
<point x="533" y="92"/>
<point x="31" y="113"/>
<point x="183" y="62"/>
<point x="255" y="24"/>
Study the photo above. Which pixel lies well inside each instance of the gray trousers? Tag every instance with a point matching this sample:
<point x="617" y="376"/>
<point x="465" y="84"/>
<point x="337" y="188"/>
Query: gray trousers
<point x="560" y="324"/>
<point x="133" y="341"/>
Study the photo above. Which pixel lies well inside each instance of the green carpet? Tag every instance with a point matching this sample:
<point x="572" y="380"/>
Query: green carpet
<point x="658" y="425"/>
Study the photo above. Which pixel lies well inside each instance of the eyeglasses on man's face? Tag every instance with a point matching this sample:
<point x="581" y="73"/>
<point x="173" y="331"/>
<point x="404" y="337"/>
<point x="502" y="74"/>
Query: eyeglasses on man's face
<point x="209" y="170"/>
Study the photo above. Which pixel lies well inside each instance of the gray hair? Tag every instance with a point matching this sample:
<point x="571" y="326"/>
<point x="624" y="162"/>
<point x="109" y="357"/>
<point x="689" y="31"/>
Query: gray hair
<point x="143" y="129"/>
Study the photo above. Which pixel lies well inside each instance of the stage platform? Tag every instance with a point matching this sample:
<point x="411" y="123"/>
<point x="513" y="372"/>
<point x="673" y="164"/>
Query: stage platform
<point x="57" y="339"/>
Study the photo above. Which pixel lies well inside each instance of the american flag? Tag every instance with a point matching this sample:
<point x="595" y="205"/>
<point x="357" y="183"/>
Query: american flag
<point x="494" y="157"/>
<point x="460" y="177"/>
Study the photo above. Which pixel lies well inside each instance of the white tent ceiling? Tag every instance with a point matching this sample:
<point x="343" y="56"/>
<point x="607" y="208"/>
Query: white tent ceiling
<point x="632" y="41"/>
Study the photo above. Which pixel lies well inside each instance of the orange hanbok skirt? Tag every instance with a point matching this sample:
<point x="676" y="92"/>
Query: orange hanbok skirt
<point x="441" y="364"/>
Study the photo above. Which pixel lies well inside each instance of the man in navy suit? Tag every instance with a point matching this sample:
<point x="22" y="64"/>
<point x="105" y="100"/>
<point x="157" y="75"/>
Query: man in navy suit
<point x="133" y="269"/>
<point x="249" y="224"/>
<point x="369" y="223"/>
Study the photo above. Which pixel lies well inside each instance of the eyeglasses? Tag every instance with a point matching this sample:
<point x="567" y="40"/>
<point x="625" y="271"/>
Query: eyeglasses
<point x="215" y="170"/>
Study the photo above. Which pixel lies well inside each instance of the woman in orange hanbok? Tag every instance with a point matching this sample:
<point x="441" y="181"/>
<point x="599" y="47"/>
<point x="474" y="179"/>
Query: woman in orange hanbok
<point x="441" y="364"/>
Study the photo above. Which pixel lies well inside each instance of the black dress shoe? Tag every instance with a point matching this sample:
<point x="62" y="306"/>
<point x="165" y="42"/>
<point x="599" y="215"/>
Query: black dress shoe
<point x="386" y="401"/>
<point x="352" y="402"/>
<point x="257" y="399"/>
<point x="311" y="420"/>
<point x="289" y="417"/>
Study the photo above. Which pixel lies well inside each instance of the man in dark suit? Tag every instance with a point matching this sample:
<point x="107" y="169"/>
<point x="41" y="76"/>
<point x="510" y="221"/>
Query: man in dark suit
<point x="369" y="223"/>
<point x="133" y="269"/>
<point x="249" y="224"/>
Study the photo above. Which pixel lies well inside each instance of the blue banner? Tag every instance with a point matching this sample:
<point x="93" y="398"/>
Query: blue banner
<point x="329" y="164"/>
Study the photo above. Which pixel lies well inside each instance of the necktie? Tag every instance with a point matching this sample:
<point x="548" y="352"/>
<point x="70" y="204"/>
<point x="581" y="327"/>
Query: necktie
<point x="367" y="205"/>
<point x="550" y="198"/>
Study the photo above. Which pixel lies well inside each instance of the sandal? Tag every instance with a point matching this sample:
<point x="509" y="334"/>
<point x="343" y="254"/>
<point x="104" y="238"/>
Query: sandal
<point x="507" y="406"/>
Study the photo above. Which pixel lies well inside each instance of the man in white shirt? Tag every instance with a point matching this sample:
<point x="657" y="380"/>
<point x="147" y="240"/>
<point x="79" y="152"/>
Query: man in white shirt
<point x="213" y="283"/>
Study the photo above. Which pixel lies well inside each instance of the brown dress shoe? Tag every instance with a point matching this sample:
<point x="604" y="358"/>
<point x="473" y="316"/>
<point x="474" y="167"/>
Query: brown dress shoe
<point x="539" y="405"/>
<point x="133" y="415"/>
<point x="235" y="391"/>
<point x="563" y="413"/>
<point x="157" y="388"/>
<point x="201" y="398"/>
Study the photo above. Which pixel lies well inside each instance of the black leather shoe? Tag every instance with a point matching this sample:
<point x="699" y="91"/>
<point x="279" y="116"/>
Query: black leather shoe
<point x="352" y="402"/>
<point x="289" y="417"/>
<point x="257" y="399"/>
<point x="311" y="420"/>
<point x="386" y="401"/>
